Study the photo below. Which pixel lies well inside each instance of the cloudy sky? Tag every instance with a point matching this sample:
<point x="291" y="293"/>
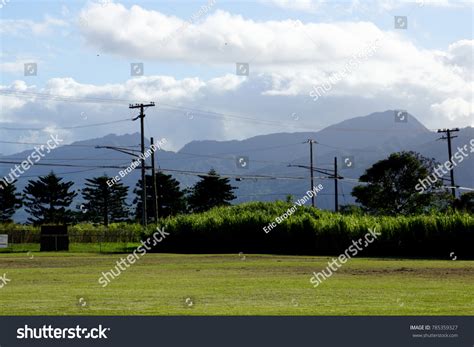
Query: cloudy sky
<point x="358" y="56"/>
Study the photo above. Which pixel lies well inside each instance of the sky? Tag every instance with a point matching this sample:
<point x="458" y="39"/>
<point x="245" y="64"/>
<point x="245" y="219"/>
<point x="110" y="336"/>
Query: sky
<point x="227" y="70"/>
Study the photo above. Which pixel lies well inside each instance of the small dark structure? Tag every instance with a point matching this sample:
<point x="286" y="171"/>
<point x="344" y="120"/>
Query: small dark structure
<point x="54" y="238"/>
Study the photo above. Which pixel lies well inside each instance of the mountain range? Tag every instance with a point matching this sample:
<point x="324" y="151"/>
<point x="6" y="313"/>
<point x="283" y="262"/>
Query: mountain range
<point x="260" y="166"/>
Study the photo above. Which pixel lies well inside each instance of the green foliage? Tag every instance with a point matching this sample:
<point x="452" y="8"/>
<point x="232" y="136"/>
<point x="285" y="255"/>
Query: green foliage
<point x="10" y="201"/>
<point x="351" y="209"/>
<point x="104" y="203"/>
<point x="47" y="199"/>
<point x="170" y="197"/>
<point x="391" y="185"/>
<point x="209" y="192"/>
<point x="465" y="202"/>
<point x="79" y="233"/>
<point x="239" y="228"/>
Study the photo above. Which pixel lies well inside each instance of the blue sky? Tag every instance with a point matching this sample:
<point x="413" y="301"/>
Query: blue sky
<point x="84" y="49"/>
<point x="67" y="55"/>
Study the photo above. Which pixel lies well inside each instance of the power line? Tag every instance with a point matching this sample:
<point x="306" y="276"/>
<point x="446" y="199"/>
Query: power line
<point x="58" y="173"/>
<point x="177" y="171"/>
<point x="68" y="159"/>
<point x="194" y="111"/>
<point x="39" y="143"/>
<point x="63" y="98"/>
<point x="66" y="128"/>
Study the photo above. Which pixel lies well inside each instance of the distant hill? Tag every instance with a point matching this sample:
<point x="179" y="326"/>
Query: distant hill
<point x="363" y="139"/>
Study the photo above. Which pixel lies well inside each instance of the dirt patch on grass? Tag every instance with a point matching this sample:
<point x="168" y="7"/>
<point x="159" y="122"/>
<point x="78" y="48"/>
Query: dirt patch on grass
<point x="418" y="272"/>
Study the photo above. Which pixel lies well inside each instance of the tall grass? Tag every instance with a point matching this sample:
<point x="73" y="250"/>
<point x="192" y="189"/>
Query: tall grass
<point x="309" y="231"/>
<point x="239" y="228"/>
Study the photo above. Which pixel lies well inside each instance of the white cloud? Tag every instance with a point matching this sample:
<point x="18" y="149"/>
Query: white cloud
<point x="455" y="109"/>
<point x="23" y="27"/>
<point x="384" y="5"/>
<point x="299" y="5"/>
<point x="287" y="58"/>
<point x="220" y="38"/>
<point x="77" y="99"/>
<point x="460" y="56"/>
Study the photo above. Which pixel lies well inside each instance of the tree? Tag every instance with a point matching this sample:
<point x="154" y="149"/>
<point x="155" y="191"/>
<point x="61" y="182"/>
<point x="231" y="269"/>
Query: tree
<point x="47" y="198"/>
<point x="171" y="199"/>
<point x="465" y="202"/>
<point x="10" y="201"/>
<point x="104" y="203"/>
<point x="210" y="191"/>
<point x="391" y="182"/>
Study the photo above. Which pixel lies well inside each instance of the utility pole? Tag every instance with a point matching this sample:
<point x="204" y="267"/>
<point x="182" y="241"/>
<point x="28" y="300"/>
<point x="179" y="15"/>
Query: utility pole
<point x="336" y="177"/>
<point x="449" y="137"/>
<point x="142" y="131"/>
<point x="155" y="194"/>
<point x="311" y="141"/>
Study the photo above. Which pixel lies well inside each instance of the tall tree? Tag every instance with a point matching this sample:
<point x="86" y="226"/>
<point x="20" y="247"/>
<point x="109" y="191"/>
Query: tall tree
<point x="103" y="203"/>
<point x="212" y="190"/>
<point x="10" y="201"/>
<point x="465" y="202"/>
<point x="391" y="183"/>
<point x="171" y="199"/>
<point x="47" y="199"/>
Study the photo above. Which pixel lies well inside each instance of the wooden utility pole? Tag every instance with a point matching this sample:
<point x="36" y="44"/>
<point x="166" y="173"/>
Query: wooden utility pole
<point x="155" y="191"/>
<point x="141" y="116"/>
<point x="310" y="141"/>
<point x="336" y="177"/>
<point x="449" y="137"/>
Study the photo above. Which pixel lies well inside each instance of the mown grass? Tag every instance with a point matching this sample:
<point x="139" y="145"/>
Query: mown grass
<point x="104" y="247"/>
<point x="166" y="284"/>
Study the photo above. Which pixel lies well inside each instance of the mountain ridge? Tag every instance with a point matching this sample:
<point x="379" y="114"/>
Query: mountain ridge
<point x="365" y="139"/>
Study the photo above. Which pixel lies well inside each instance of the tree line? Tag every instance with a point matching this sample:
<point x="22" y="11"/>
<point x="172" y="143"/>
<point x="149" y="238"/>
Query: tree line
<point x="48" y="199"/>
<point x="387" y="189"/>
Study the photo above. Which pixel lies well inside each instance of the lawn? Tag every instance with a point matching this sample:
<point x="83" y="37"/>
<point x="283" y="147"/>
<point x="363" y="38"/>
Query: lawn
<point x="171" y="284"/>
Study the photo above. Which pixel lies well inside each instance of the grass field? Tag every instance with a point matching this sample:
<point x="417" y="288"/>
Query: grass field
<point x="170" y="284"/>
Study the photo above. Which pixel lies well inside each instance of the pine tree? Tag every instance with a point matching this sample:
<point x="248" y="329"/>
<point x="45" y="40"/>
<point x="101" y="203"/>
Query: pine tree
<point x="103" y="203"/>
<point x="47" y="199"/>
<point x="210" y="191"/>
<point x="171" y="199"/>
<point x="10" y="201"/>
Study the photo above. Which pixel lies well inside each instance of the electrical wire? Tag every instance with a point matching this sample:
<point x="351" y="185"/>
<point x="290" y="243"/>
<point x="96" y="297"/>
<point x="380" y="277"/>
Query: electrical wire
<point x="65" y="128"/>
